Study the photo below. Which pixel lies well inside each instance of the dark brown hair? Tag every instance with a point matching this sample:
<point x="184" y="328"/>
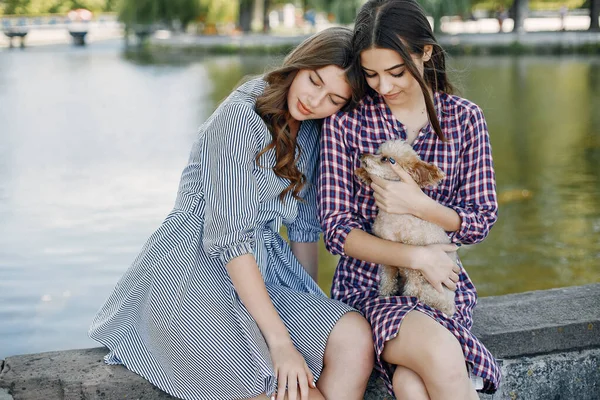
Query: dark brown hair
<point x="332" y="46"/>
<point x="402" y="26"/>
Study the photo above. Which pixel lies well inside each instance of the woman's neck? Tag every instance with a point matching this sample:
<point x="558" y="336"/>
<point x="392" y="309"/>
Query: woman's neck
<point x="412" y="107"/>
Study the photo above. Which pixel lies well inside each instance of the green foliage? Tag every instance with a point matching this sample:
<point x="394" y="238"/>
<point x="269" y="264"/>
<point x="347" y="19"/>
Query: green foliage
<point x="167" y="12"/>
<point x="344" y="10"/>
<point x="440" y="8"/>
<point x="214" y="11"/>
<point x="36" y="7"/>
<point x="491" y="5"/>
<point x="16" y="6"/>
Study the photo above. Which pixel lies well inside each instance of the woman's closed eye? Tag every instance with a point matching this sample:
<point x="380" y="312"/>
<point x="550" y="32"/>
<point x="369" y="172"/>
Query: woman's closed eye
<point x="398" y="75"/>
<point x="313" y="81"/>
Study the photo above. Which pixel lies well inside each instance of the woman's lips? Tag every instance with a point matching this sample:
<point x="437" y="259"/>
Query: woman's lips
<point x="302" y="108"/>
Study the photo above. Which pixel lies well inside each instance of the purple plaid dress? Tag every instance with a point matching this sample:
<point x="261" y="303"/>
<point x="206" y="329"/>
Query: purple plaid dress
<point x="346" y="204"/>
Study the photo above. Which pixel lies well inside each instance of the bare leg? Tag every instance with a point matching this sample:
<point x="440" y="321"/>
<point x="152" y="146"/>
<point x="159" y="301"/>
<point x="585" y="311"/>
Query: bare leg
<point x="348" y="359"/>
<point x="408" y="385"/>
<point x="433" y="353"/>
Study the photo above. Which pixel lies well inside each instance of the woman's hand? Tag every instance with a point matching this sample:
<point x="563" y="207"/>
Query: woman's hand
<point x="291" y="371"/>
<point x="436" y="266"/>
<point x="398" y="197"/>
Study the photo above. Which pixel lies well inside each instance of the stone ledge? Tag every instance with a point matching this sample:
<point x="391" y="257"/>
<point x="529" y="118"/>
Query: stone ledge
<point x="539" y="322"/>
<point x="548" y="343"/>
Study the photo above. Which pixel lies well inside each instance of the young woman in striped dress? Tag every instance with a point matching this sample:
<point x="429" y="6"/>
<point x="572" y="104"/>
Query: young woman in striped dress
<point x="421" y="353"/>
<point x="218" y="305"/>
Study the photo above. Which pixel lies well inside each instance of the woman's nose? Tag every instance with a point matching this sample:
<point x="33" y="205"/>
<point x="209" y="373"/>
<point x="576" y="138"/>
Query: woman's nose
<point x="316" y="98"/>
<point x="385" y="85"/>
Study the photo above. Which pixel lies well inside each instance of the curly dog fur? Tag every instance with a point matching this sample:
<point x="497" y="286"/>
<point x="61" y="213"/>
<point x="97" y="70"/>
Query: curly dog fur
<point x="407" y="228"/>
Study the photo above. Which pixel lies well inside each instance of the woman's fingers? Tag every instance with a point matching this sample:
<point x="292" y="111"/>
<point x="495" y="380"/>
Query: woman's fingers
<point x="292" y="386"/>
<point x="401" y="172"/>
<point x="310" y="377"/>
<point x="450" y="285"/>
<point x="456" y="269"/>
<point x="449" y="248"/>
<point x="303" y="386"/>
<point x="281" y="384"/>
<point x="454" y="277"/>
<point x="377" y="181"/>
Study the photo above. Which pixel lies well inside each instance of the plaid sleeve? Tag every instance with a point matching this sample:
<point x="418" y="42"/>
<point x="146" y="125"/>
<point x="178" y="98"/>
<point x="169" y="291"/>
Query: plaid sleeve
<point x="476" y="201"/>
<point x="335" y="191"/>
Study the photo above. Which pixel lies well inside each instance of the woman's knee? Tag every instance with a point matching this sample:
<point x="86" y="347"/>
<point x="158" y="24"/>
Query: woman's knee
<point x="351" y="338"/>
<point x="408" y="385"/>
<point x="427" y="348"/>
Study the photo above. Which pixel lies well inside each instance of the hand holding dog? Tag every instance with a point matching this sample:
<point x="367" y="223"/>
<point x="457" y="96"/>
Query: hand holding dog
<point x="398" y="197"/>
<point x="436" y="266"/>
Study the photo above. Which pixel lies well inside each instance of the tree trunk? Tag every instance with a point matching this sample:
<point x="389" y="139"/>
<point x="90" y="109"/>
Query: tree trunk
<point x="437" y="22"/>
<point x="594" y="15"/>
<point x="266" y="9"/>
<point x="245" y="18"/>
<point x="520" y="9"/>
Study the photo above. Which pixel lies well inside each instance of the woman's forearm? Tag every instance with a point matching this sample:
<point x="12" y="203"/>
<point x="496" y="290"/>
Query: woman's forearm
<point x="364" y="246"/>
<point x="439" y="214"/>
<point x="250" y="287"/>
<point x="308" y="255"/>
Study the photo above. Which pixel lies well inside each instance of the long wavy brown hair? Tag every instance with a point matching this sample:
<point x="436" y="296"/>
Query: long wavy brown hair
<point x="402" y="26"/>
<point x="332" y="46"/>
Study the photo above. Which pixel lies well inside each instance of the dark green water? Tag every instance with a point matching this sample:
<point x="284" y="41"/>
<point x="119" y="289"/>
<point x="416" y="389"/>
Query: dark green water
<point x="92" y="144"/>
<point x="543" y="115"/>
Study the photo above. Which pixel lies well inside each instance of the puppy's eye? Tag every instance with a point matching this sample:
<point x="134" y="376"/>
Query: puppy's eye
<point x="384" y="159"/>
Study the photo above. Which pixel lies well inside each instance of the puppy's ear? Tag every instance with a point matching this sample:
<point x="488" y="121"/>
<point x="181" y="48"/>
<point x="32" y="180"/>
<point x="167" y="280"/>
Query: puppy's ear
<point x="363" y="176"/>
<point x="426" y="174"/>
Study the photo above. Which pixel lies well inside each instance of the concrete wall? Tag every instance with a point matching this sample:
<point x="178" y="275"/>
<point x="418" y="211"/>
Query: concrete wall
<point x="548" y="344"/>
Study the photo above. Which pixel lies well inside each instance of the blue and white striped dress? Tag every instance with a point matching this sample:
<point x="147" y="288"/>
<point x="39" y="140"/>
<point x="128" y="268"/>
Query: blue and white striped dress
<point x="174" y="317"/>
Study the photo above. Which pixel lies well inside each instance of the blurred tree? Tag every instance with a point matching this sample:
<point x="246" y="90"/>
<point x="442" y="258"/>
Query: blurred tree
<point x="439" y="8"/>
<point x="344" y="11"/>
<point x="16" y="6"/>
<point x="170" y="13"/>
<point x="245" y="14"/>
<point x="110" y="5"/>
<point x="594" y="15"/>
<point x="139" y="12"/>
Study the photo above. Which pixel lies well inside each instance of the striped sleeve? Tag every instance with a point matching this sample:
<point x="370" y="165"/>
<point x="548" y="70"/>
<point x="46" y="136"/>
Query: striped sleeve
<point x="335" y="191"/>
<point x="230" y="187"/>
<point x="305" y="227"/>
<point x="476" y="200"/>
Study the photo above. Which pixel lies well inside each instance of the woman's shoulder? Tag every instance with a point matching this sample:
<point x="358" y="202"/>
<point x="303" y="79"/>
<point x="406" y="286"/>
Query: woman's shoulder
<point x="246" y="93"/>
<point x="453" y="105"/>
<point x="237" y="114"/>
<point x="242" y="100"/>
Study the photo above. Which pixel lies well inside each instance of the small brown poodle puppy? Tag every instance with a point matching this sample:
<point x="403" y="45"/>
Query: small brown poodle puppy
<point x="407" y="228"/>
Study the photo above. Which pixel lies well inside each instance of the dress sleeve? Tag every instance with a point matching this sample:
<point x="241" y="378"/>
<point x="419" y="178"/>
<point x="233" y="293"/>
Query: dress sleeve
<point x="476" y="201"/>
<point x="306" y="227"/>
<point x="229" y="184"/>
<point x="335" y="189"/>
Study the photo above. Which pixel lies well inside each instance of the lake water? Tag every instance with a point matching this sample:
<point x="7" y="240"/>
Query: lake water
<point x="92" y="143"/>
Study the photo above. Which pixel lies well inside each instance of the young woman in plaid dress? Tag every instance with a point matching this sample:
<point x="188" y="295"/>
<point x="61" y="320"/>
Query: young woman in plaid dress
<point x="421" y="353"/>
